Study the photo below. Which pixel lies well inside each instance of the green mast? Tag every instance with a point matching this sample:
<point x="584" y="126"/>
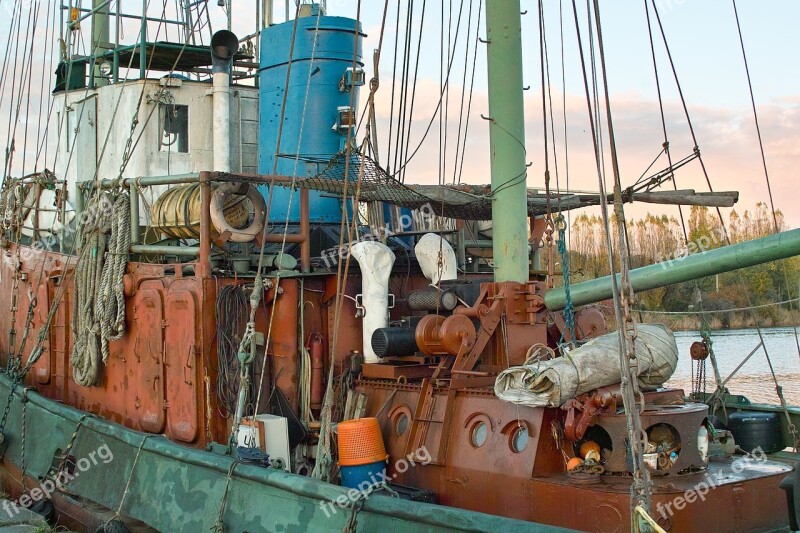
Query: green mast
<point x="507" y="141"/>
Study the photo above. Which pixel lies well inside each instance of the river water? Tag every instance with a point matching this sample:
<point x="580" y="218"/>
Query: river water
<point x="754" y="379"/>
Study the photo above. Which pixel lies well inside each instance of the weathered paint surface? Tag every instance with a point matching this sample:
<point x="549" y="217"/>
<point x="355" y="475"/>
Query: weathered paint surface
<point x="174" y="488"/>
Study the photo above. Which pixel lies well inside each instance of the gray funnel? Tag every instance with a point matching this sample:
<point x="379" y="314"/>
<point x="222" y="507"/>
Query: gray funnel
<point x="224" y="45"/>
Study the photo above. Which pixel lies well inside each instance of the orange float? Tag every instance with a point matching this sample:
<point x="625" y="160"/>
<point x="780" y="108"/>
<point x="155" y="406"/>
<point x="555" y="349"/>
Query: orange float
<point x="589" y="446"/>
<point x="574" y="463"/>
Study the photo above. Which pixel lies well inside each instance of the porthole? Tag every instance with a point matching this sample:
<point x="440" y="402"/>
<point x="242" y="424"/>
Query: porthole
<point x="401" y="424"/>
<point x="478" y="434"/>
<point x="519" y="439"/>
<point x="596" y="437"/>
<point x="663" y="447"/>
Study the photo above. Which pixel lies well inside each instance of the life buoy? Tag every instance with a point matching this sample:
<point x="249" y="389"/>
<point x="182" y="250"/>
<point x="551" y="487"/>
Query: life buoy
<point x="218" y="217"/>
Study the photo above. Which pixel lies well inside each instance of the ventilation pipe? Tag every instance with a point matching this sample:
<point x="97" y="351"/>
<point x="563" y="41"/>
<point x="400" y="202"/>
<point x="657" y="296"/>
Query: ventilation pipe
<point x="427" y="250"/>
<point x="375" y="260"/>
<point x="224" y="45"/>
<point x="266" y="13"/>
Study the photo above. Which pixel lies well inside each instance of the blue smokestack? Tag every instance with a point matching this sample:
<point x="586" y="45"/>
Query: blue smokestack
<point x="322" y="114"/>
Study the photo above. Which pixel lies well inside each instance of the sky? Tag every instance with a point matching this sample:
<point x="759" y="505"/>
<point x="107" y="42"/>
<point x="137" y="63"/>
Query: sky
<point x="704" y="43"/>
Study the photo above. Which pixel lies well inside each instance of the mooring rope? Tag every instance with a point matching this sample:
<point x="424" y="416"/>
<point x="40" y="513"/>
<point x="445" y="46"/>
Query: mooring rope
<point x="99" y="308"/>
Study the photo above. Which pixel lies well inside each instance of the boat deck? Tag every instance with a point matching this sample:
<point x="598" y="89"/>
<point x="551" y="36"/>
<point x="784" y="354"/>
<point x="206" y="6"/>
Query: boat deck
<point x="728" y="487"/>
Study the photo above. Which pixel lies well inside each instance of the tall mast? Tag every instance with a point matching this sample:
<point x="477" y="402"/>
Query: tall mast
<point x="507" y="141"/>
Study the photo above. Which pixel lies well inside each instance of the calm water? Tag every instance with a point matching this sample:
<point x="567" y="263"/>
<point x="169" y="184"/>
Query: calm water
<point x="754" y="379"/>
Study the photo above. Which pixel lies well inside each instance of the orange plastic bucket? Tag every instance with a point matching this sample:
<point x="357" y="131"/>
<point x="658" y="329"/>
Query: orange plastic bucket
<point x="360" y="442"/>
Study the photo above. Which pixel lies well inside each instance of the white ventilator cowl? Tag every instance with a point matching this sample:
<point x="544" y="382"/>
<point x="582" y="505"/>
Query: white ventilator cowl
<point x="427" y="250"/>
<point x="375" y="260"/>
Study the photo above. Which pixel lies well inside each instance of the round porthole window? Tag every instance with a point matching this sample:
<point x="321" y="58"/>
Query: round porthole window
<point x="519" y="439"/>
<point x="478" y="434"/>
<point x="401" y="424"/>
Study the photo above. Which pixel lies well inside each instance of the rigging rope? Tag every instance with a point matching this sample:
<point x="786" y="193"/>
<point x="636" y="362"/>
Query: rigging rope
<point x="564" y="109"/>
<point x="471" y="86"/>
<point x="406" y="159"/>
<point x="322" y="467"/>
<point x="720" y="311"/>
<point x="761" y="148"/>
<point x="640" y="488"/>
<point x="394" y="80"/>
<point x="665" y="145"/>
<point x="724" y="229"/>
<point x="463" y="92"/>
<point x="755" y="115"/>
<point x="549" y="227"/>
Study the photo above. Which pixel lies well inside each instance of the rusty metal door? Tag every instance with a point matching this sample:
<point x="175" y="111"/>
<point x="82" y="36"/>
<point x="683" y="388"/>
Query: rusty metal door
<point x="145" y="370"/>
<point x="181" y="366"/>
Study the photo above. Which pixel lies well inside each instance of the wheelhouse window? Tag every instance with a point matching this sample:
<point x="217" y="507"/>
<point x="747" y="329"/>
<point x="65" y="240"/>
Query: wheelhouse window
<point x="174" y="120"/>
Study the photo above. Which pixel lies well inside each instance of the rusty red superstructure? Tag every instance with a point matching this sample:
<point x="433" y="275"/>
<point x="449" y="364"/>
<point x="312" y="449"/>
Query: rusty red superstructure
<point x="302" y="316"/>
<point x="160" y="378"/>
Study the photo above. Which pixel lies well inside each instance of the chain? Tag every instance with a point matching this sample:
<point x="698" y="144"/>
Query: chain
<point x="6" y="411"/>
<point x="352" y="522"/>
<point x="12" y="332"/>
<point x="126" y="154"/>
<point x="640" y="488"/>
<point x="698" y="381"/>
<point x="569" y="309"/>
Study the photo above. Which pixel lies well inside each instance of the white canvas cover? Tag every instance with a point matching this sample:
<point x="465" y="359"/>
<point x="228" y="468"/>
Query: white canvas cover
<point x="594" y="365"/>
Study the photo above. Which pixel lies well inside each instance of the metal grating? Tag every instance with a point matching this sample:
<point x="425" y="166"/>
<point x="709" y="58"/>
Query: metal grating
<point x="466" y="202"/>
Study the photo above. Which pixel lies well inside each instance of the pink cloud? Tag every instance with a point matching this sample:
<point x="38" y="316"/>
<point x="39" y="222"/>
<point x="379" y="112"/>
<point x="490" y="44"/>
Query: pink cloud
<point x="726" y="137"/>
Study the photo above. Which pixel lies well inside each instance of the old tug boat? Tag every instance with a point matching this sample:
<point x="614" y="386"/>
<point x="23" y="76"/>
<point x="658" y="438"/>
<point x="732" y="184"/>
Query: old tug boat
<point x="220" y="287"/>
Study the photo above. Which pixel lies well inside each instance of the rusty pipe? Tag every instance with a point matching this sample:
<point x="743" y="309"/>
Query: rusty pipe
<point x="305" y="231"/>
<point x="301" y="238"/>
<point x="204" y="261"/>
<point x="317" y="385"/>
<point x="278" y="238"/>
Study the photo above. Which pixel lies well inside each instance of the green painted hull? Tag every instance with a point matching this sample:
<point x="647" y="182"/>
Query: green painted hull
<point x="174" y="488"/>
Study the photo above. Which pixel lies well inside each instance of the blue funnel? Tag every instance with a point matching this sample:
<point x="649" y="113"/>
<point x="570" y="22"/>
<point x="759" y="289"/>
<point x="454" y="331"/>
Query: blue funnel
<point x="316" y="115"/>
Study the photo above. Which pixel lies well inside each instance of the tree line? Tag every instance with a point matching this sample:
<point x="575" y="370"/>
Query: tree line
<point x="666" y="239"/>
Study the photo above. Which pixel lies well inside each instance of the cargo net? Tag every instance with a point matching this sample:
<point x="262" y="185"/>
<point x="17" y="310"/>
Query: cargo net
<point x="466" y="202"/>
